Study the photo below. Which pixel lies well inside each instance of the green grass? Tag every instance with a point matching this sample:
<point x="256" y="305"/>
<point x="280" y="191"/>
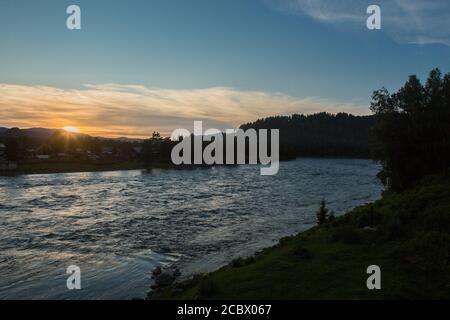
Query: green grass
<point x="411" y="245"/>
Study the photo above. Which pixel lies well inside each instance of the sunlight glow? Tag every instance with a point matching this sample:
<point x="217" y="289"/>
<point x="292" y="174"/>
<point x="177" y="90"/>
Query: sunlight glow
<point x="71" y="129"/>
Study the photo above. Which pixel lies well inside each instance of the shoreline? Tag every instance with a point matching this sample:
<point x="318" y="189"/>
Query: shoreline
<point x="32" y="168"/>
<point x="51" y="167"/>
<point x="330" y="261"/>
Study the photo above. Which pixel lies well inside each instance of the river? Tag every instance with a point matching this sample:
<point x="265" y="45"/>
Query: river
<point x="117" y="226"/>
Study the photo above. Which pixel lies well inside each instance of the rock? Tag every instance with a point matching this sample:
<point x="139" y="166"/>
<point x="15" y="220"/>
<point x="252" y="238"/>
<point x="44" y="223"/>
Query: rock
<point x="157" y="271"/>
<point x="154" y="286"/>
<point x="164" y="279"/>
<point x="176" y="272"/>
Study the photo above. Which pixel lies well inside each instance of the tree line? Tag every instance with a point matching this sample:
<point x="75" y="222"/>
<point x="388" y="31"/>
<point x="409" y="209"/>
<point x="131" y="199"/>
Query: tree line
<point x="411" y="134"/>
<point x="320" y="135"/>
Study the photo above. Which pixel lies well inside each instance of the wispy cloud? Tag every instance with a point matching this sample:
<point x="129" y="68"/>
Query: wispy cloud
<point x="406" y="21"/>
<point x="134" y="110"/>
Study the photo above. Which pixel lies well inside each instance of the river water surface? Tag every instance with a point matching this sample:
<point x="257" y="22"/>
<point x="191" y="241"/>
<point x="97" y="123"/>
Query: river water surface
<point x="117" y="226"/>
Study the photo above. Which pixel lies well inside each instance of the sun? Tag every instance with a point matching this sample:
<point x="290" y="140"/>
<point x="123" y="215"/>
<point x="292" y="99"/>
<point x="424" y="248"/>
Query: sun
<point x="71" y="129"/>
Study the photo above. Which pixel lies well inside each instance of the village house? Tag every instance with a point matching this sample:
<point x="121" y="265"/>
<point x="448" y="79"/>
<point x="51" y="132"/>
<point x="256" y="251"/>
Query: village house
<point x="43" y="156"/>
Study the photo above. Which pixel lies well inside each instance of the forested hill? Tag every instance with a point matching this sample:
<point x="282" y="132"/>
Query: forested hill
<point x="320" y="135"/>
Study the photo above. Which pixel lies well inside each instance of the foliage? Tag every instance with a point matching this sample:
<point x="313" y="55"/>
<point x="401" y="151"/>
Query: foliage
<point x="319" y="135"/>
<point x="207" y="288"/>
<point x="347" y="234"/>
<point x="411" y="136"/>
<point x="323" y="214"/>
<point x="429" y="252"/>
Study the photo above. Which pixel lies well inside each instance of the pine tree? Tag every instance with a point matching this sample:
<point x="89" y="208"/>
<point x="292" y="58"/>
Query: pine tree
<point x="322" y="213"/>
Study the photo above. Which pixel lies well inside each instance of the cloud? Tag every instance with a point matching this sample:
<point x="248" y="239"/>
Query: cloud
<point x="132" y="110"/>
<point x="406" y="21"/>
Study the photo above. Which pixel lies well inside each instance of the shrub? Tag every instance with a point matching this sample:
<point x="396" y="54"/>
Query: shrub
<point x="429" y="252"/>
<point x="207" y="288"/>
<point x="366" y="217"/>
<point x="437" y="219"/>
<point x="241" y="262"/>
<point x="302" y="253"/>
<point x="322" y="214"/>
<point x="347" y="234"/>
<point x="394" y="229"/>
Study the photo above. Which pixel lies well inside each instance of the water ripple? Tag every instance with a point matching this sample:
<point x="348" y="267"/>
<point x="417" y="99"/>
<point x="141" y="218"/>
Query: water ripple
<point x="118" y="225"/>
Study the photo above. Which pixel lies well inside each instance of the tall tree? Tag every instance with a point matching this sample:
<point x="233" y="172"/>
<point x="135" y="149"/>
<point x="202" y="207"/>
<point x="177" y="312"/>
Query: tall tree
<point x="411" y="133"/>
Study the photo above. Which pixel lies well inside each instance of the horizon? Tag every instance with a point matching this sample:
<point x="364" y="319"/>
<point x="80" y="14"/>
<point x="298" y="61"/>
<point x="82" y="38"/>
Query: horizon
<point x="199" y="151"/>
<point x="158" y="66"/>
<point x="75" y="130"/>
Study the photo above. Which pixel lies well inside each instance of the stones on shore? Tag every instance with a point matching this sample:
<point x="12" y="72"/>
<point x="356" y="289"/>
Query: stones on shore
<point x="164" y="278"/>
<point x="157" y="271"/>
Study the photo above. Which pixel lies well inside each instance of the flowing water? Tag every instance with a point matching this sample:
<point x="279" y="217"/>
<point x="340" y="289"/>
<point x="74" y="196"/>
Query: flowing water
<point x="117" y="226"/>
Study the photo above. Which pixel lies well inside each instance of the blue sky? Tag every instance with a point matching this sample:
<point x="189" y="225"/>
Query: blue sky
<point x="319" y="53"/>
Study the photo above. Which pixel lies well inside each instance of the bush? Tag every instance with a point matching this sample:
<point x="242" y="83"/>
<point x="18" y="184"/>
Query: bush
<point x="302" y="253"/>
<point x="347" y="234"/>
<point x="366" y="217"/>
<point x="429" y="252"/>
<point x="207" y="288"/>
<point x="394" y="229"/>
<point x="437" y="219"/>
<point x="322" y="213"/>
<point x="241" y="262"/>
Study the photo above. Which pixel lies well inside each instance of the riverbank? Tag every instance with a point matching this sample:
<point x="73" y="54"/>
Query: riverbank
<point x="409" y="240"/>
<point x="72" y="166"/>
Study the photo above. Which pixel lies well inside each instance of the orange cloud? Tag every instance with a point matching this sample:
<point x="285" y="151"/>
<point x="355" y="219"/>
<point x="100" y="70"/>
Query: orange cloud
<point x="114" y="110"/>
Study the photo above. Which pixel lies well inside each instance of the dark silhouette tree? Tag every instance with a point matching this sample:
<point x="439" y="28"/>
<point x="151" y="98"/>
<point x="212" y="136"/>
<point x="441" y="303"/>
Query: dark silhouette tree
<point x="320" y="135"/>
<point x="13" y="150"/>
<point x="322" y="213"/>
<point x="411" y="135"/>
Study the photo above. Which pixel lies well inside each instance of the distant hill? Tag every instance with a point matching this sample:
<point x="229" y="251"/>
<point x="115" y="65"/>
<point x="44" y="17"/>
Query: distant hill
<point x="320" y="135"/>
<point x="124" y="139"/>
<point x="36" y="134"/>
<point x="40" y="133"/>
<point x="317" y="135"/>
<point x="13" y="133"/>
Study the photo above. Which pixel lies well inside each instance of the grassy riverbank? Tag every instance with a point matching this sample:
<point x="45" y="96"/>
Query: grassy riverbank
<point x="410" y="243"/>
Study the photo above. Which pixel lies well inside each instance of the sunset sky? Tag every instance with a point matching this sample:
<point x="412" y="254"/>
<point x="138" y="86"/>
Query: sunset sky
<point x="141" y="65"/>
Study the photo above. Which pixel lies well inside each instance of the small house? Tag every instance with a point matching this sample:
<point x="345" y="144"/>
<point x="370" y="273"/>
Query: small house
<point x="7" y="165"/>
